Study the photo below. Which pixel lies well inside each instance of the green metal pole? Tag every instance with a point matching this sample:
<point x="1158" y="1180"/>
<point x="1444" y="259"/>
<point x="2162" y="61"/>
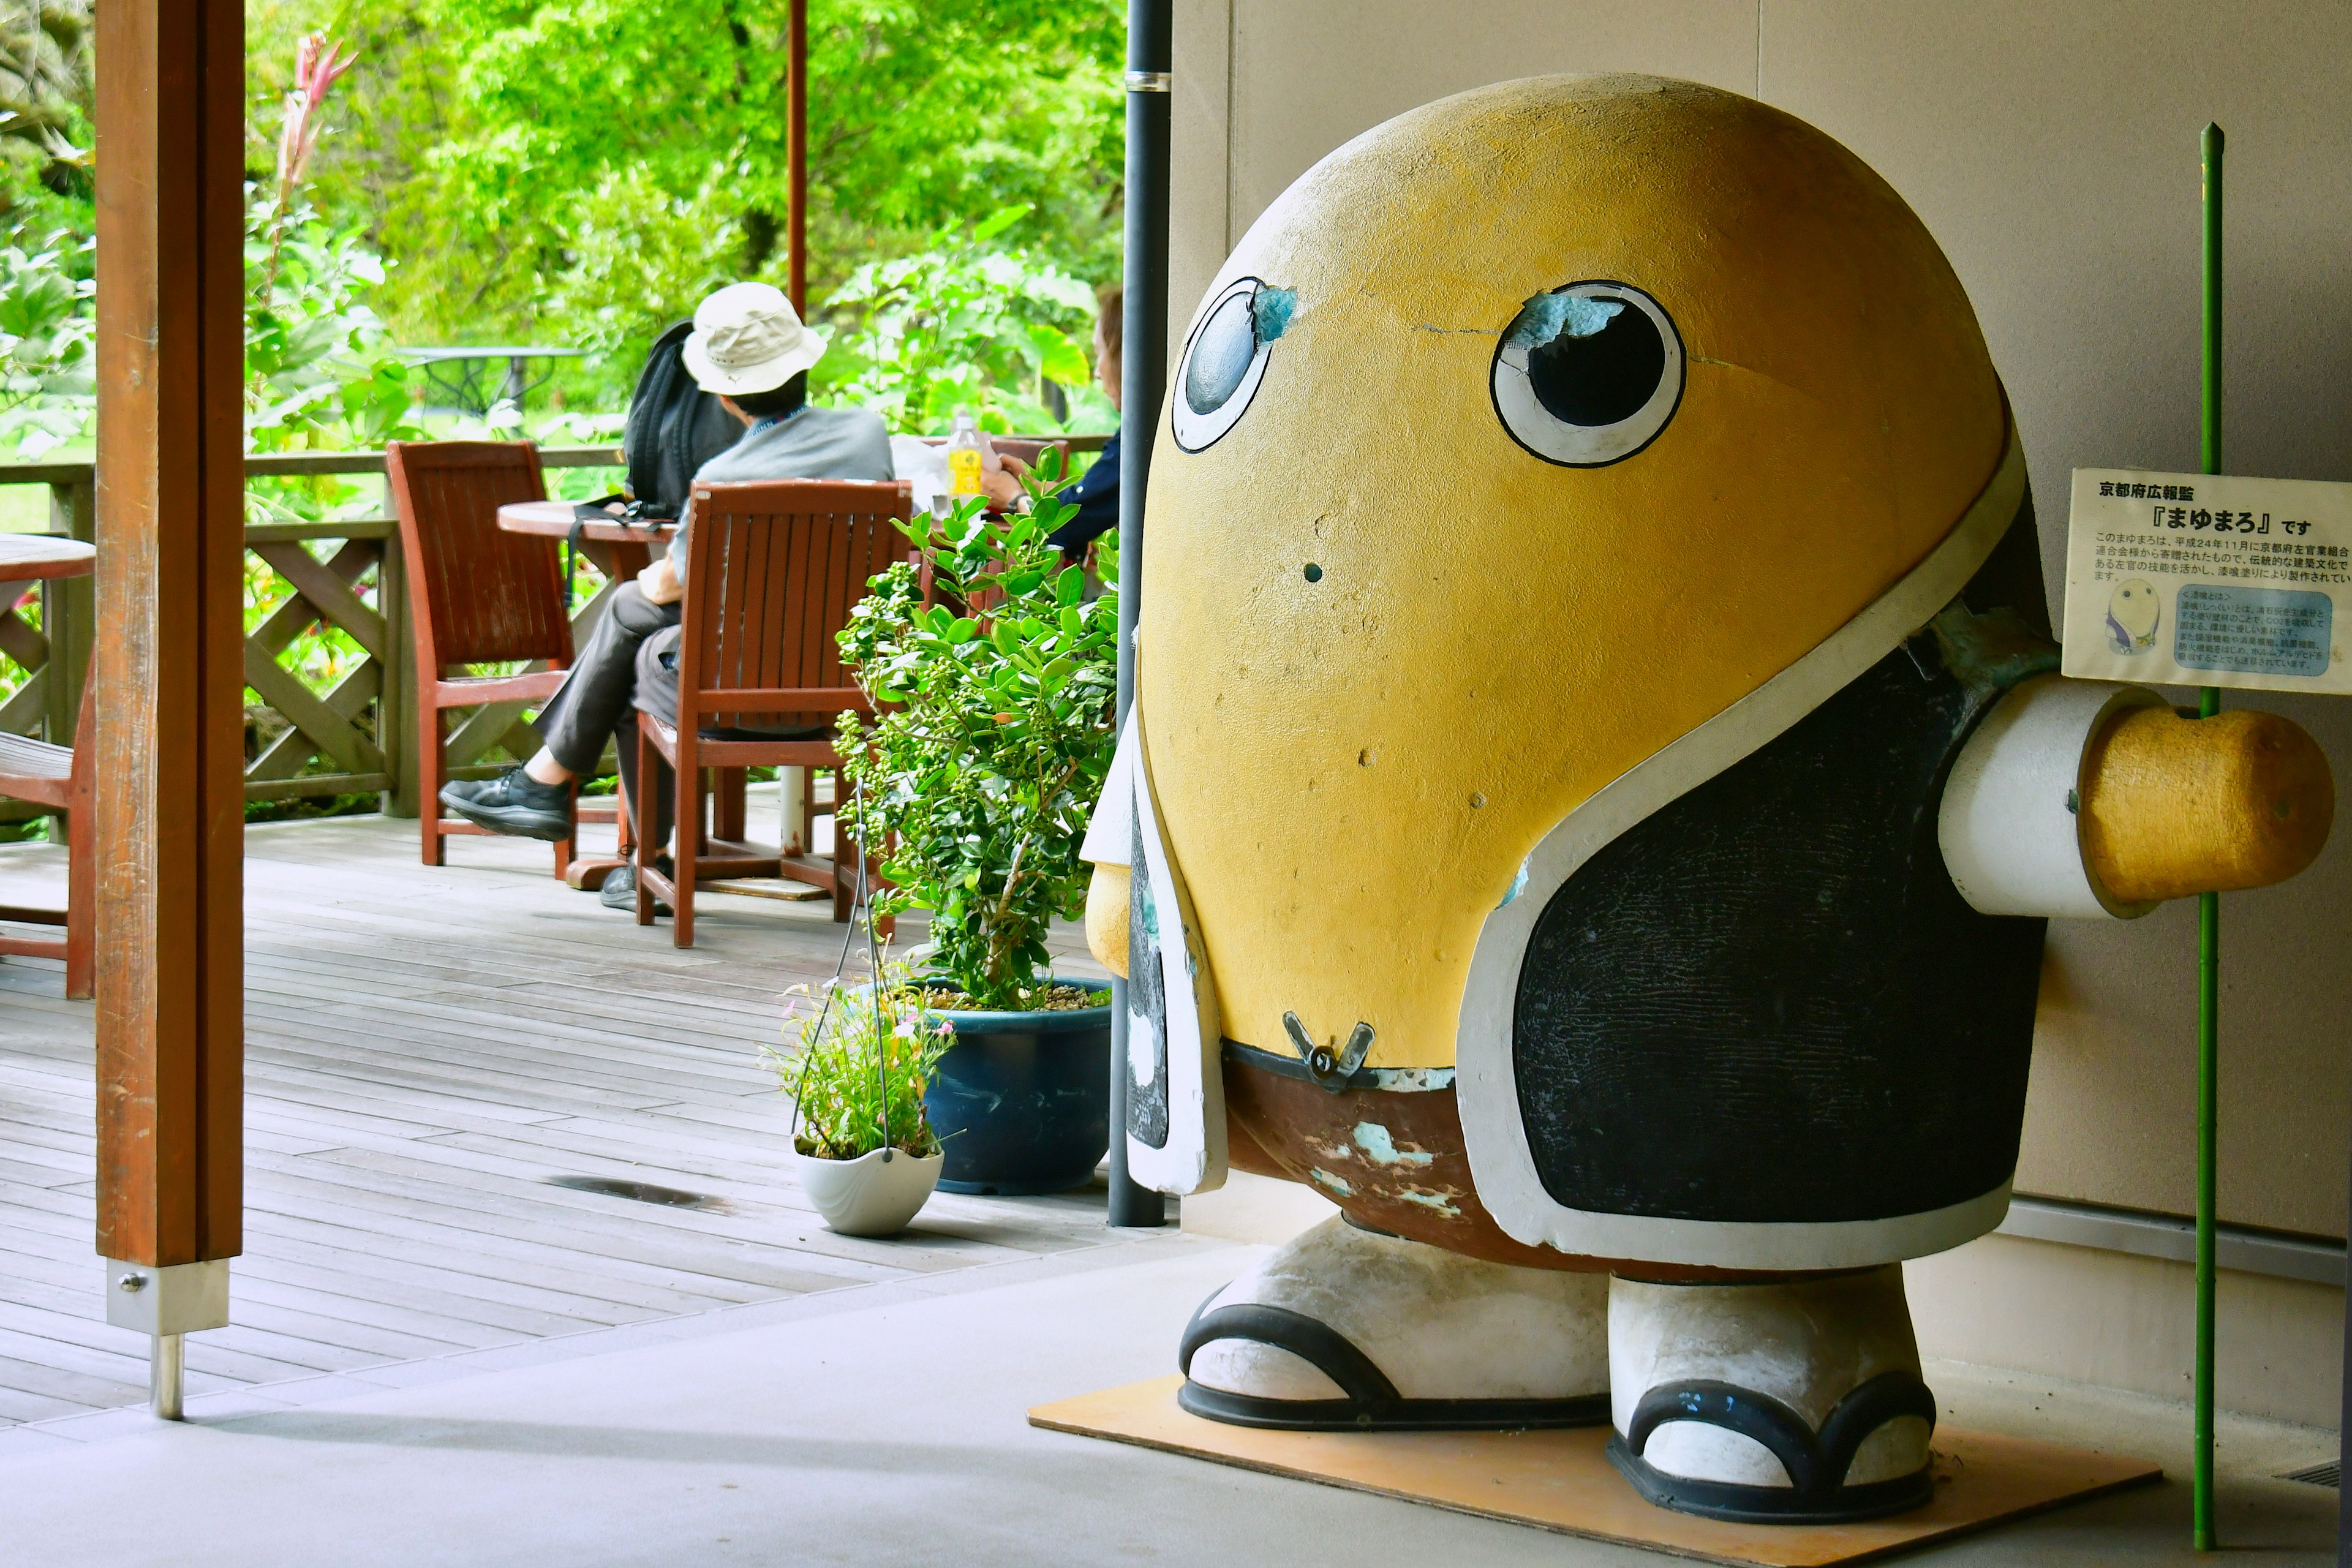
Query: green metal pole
<point x="2208" y="909"/>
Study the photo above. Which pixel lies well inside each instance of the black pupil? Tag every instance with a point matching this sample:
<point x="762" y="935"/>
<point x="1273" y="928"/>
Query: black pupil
<point x="1602" y="378"/>
<point x="1221" y="356"/>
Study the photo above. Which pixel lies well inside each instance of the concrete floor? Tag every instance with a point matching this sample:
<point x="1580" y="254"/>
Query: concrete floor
<point x="885" y="1424"/>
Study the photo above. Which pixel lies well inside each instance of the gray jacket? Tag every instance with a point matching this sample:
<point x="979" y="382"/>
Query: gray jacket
<point x="813" y="444"/>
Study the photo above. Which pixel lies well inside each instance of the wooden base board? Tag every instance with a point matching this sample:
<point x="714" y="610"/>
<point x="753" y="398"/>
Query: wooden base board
<point x="1562" y="1481"/>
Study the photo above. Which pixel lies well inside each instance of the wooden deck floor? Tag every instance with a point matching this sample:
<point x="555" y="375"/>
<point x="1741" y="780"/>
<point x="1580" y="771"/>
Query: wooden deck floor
<point x="427" y="1051"/>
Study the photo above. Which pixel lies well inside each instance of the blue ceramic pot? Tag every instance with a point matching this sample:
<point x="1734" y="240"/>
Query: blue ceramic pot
<point x="1020" y="1103"/>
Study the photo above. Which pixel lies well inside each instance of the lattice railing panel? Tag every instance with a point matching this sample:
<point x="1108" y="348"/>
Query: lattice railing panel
<point x="321" y="726"/>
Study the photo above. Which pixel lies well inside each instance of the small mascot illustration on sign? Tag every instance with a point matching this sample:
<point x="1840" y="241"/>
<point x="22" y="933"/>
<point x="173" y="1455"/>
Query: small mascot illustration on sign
<point x="2134" y="613"/>
<point x="1597" y="783"/>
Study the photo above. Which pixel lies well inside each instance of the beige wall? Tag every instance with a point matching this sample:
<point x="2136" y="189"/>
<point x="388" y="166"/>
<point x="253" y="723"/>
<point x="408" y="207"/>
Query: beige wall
<point x="2052" y="151"/>
<point x="2130" y="1322"/>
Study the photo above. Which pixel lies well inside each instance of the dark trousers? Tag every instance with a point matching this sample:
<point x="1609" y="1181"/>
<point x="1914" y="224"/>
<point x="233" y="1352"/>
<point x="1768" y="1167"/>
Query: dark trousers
<point x="598" y="701"/>
<point x="628" y="665"/>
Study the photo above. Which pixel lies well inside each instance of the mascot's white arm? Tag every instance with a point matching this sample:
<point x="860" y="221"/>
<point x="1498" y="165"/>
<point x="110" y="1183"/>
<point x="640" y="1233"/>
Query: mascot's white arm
<point x="1142" y="924"/>
<point x="2087" y="798"/>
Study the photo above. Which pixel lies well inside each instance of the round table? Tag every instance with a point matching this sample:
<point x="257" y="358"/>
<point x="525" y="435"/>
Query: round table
<point x="29" y="558"/>
<point x="619" y="550"/>
<point x="33" y="557"/>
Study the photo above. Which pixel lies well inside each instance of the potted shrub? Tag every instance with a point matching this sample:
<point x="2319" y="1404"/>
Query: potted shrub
<point x="863" y="1150"/>
<point x="994" y="693"/>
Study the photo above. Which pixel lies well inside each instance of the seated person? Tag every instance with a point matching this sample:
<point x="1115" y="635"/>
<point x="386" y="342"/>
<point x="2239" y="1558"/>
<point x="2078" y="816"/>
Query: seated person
<point x="750" y="349"/>
<point x="1095" y="494"/>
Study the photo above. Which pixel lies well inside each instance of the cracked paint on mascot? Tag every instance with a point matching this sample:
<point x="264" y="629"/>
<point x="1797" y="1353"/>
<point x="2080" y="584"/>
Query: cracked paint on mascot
<point x="1596" y="787"/>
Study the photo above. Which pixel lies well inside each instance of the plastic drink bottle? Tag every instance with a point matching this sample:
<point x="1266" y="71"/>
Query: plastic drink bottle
<point x="970" y="455"/>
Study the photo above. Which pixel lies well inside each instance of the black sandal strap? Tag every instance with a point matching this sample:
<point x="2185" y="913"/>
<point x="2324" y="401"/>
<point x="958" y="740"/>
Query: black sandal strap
<point x="1759" y="1416"/>
<point x="1769" y="1505"/>
<point x="1371" y="1401"/>
<point x="1317" y="1344"/>
<point x="1816" y="1466"/>
<point x="1866" y="1408"/>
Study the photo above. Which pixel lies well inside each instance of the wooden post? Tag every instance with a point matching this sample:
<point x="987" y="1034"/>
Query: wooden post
<point x="170" y="503"/>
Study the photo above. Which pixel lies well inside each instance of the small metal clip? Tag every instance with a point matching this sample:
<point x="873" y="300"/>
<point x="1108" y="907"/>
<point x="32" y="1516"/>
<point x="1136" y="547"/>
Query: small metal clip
<point x="1329" y="1071"/>
<point x="1149" y="81"/>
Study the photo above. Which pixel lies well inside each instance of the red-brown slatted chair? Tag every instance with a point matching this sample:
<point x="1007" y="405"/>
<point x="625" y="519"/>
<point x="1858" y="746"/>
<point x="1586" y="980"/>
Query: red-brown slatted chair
<point x="771" y="575"/>
<point x="478" y="594"/>
<point x="727" y="798"/>
<point x="61" y="777"/>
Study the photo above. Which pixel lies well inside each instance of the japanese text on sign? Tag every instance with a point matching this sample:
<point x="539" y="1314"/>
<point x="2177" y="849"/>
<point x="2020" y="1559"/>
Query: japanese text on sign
<point x="2207" y="580"/>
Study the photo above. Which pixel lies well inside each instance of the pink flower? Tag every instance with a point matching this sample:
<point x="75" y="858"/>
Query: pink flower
<point x="319" y="64"/>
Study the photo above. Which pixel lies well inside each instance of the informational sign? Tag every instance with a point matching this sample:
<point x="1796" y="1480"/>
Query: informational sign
<point x="2207" y="580"/>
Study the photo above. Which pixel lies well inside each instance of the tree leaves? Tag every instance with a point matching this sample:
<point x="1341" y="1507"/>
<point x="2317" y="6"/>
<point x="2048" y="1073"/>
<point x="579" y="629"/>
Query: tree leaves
<point x="583" y="173"/>
<point x="992" y="739"/>
<point x="965" y="322"/>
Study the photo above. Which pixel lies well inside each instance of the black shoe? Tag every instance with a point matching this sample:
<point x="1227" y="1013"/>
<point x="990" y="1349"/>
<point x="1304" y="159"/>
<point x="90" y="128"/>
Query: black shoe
<point x="513" y="803"/>
<point x="620" y="890"/>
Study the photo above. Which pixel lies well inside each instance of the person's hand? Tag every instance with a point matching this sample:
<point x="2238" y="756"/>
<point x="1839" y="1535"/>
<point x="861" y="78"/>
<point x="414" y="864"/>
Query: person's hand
<point x="1004" y="487"/>
<point x="658" y="582"/>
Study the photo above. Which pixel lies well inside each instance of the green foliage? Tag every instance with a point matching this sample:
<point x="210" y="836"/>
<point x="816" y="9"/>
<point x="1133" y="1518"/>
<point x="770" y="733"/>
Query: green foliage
<point x="319" y="372"/>
<point x="318" y="369"/>
<point x="963" y="322"/>
<point x="583" y="173"/>
<point x="305" y="807"/>
<point x="46" y="324"/>
<point x="994" y="735"/>
<point x="46" y="97"/>
<point x="863" y="1057"/>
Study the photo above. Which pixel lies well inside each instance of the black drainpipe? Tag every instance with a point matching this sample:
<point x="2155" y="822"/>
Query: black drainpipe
<point x="1144" y="367"/>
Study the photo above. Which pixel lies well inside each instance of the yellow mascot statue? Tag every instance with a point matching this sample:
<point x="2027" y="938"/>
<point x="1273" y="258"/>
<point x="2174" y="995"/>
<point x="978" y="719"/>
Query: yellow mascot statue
<point x="1596" y="787"/>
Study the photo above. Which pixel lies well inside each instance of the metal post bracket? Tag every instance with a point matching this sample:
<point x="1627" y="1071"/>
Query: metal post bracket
<point x="182" y="1299"/>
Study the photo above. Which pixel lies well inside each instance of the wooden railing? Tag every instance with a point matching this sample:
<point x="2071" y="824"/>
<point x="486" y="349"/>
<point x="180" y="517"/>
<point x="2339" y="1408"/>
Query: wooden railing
<point x="357" y="736"/>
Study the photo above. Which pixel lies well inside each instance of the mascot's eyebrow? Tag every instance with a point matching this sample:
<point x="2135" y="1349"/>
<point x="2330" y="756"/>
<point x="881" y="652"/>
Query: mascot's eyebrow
<point x="1271" y="311"/>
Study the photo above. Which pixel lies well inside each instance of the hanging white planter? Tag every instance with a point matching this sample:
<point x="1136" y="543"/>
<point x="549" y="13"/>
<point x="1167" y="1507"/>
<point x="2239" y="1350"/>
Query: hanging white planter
<point x="876" y="1194"/>
<point x="873" y="1195"/>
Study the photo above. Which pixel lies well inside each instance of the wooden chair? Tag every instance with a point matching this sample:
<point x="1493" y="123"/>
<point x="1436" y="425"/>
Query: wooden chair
<point x="478" y="594"/>
<point x="771" y="579"/>
<point x="61" y="777"/>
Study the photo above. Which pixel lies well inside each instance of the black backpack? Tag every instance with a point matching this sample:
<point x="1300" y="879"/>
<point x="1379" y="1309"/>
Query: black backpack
<point x="674" y="428"/>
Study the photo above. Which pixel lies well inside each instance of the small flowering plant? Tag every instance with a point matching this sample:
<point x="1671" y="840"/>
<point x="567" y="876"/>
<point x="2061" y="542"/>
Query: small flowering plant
<point x="862" y="1058"/>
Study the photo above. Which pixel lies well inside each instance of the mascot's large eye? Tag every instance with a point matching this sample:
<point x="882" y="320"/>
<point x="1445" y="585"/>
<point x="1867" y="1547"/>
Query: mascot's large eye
<point x="1588" y="374"/>
<point x="1226" y="359"/>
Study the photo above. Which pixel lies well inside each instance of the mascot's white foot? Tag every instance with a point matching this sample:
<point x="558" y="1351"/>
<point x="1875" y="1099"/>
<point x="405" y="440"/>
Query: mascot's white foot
<point x="1793" y="1403"/>
<point x="1347" y="1328"/>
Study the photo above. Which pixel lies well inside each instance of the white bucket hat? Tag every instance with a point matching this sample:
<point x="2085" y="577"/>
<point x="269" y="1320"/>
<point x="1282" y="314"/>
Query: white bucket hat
<point x="746" y="338"/>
